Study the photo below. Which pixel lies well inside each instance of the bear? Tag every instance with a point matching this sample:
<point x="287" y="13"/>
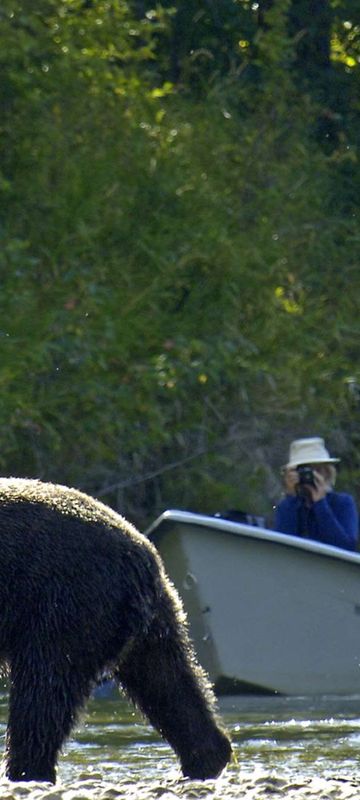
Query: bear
<point x="83" y="592"/>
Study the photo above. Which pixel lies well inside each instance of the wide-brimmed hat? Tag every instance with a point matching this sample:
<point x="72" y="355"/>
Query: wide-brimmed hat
<point x="309" y="451"/>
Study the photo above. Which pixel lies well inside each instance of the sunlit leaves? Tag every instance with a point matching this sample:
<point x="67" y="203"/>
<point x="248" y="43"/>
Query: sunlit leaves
<point x="340" y="53"/>
<point x="99" y="43"/>
<point x="287" y="302"/>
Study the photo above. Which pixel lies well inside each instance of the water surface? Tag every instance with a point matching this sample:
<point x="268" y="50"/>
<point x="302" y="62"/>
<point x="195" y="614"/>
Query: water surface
<point x="284" y="747"/>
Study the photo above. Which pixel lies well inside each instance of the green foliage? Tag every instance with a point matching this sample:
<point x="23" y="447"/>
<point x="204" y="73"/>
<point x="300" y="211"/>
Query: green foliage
<point x="179" y="271"/>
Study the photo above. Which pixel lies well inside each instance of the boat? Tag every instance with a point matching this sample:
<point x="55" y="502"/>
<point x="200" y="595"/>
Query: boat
<point x="267" y="612"/>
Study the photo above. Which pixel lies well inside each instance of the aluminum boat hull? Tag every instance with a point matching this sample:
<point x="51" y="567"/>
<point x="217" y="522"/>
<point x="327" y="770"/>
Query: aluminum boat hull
<point x="267" y="612"/>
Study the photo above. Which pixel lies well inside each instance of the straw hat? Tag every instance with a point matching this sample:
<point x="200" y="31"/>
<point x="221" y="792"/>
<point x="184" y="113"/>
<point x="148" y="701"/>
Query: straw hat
<point x="309" y="451"/>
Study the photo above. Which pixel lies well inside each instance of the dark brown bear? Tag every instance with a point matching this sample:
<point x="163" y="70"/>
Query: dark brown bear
<point x="82" y="591"/>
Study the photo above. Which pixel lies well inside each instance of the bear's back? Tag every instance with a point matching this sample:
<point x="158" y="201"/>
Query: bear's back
<point x="63" y="500"/>
<point x="41" y="521"/>
<point x="61" y="551"/>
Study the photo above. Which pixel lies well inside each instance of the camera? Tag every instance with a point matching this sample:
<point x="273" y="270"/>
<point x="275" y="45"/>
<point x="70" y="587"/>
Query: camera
<point x="306" y="476"/>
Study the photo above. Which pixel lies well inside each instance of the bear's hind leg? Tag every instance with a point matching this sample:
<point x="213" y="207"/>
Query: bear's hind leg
<point x="160" y="674"/>
<point x="45" y="696"/>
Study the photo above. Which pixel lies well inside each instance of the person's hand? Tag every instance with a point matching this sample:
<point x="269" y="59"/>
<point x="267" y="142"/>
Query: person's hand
<point x="291" y="480"/>
<point x="319" y="491"/>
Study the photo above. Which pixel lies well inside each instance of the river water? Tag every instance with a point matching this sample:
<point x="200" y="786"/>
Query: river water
<point x="284" y="748"/>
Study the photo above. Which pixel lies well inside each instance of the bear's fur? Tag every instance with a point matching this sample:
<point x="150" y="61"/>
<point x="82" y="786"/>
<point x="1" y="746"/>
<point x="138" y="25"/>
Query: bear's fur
<point x="81" y="591"/>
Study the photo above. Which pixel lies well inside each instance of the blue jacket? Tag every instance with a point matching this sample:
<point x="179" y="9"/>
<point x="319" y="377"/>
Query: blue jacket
<point x="332" y="520"/>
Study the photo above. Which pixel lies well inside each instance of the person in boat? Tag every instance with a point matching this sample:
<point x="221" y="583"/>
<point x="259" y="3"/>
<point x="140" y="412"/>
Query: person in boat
<point x="311" y="508"/>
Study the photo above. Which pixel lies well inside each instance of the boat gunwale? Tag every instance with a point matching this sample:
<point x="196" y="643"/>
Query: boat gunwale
<point x="251" y="532"/>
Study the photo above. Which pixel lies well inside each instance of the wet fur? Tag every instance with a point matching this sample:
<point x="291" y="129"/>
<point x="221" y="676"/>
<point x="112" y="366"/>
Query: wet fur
<point x="82" y="591"/>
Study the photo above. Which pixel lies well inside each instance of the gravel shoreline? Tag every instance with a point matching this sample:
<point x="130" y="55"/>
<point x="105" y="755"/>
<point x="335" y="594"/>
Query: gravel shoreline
<point x="259" y="786"/>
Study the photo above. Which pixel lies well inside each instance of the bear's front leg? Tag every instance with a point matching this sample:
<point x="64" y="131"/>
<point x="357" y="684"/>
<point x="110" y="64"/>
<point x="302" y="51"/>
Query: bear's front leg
<point x="45" y="695"/>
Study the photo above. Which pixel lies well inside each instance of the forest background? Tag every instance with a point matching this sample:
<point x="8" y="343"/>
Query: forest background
<point x="180" y="252"/>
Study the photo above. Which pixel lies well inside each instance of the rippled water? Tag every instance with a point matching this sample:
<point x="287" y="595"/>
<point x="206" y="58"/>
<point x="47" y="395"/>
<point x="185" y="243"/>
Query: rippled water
<point x="285" y="747"/>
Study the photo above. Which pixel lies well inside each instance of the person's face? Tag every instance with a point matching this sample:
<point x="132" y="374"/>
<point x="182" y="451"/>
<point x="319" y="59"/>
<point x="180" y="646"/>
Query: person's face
<point x="322" y="469"/>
